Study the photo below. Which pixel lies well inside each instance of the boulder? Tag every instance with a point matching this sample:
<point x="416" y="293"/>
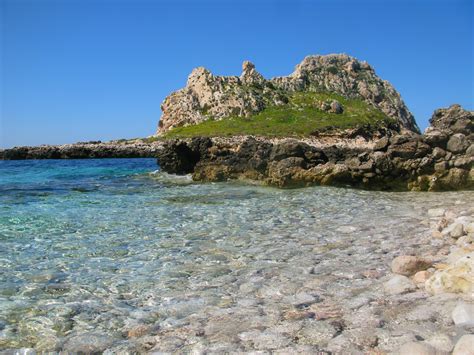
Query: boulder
<point x="407" y="147"/>
<point x="470" y="151"/>
<point x="453" y="119"/>
<point x="435" y="138"/>
<point x="336" y="107"/>
<point x="438" y="153"/>
<point x="457" y="230"/>
<point x="421" y="277"/>
<point x="381" y="144"/>
<point x="456" y="278"/>
<point x="457" y="143"/>
<point x="290" y="148"/>
<point x="408" y="265"/>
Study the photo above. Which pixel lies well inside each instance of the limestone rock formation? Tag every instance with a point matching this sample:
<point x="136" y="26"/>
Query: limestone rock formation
<point x="207" y="96"/>
<point x="432" y="161"/>
<point x="457" y="278"/>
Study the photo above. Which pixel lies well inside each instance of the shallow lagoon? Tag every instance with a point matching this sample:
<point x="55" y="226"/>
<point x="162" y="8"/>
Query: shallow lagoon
<point x="140" y="260"/>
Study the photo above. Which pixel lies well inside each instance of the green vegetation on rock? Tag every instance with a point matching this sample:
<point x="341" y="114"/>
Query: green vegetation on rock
<point x="300" y="117"/>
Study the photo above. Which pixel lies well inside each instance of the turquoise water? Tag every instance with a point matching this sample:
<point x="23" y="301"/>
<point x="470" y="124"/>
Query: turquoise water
<point x="128" y="256"/>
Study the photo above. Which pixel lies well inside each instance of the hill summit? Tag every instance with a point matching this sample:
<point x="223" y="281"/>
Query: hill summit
<point x="333" y="90"/>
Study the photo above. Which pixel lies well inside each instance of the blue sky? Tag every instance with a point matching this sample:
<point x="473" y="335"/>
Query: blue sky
<point x="76" y="70"/>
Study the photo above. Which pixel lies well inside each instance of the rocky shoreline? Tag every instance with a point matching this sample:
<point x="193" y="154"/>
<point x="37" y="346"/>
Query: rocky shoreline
<point x="444" y="279"/>
<point x="386" y="159"/>
<point x="85" y="150"/>
<point x="365" y="157"/>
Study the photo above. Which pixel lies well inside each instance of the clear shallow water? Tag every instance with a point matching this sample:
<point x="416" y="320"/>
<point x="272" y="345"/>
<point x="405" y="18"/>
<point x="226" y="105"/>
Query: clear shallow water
<point x="109" y="248"/>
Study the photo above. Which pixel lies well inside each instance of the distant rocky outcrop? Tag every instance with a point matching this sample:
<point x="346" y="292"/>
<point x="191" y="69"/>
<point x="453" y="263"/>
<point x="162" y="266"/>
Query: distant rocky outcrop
<point x="441" y="159"/>
<point x="207" y="96"/>
<point x="84" y="150"/>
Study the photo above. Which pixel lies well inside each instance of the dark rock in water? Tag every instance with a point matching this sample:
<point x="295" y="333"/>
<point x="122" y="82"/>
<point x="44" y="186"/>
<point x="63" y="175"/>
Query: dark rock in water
<point x="83" y="151"/>
<point x="179" y="157"/>
<point x="395" y="161"/>
<point x="19" y="153"/>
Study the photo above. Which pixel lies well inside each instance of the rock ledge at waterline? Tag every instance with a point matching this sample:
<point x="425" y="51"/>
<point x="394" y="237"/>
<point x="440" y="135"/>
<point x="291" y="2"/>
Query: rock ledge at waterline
<point x="440" y="159"/>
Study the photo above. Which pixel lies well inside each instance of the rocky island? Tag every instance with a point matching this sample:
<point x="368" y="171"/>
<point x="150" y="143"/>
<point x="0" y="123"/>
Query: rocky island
<point x="333" y="121"/>
<point x="126" y="259"/>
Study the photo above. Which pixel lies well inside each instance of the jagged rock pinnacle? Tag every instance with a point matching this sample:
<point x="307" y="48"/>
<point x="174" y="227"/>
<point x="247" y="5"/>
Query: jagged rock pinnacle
<point x="249" y="75"/>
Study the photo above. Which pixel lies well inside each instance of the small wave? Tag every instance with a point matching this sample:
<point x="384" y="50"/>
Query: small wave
<point x="171" y="178"/>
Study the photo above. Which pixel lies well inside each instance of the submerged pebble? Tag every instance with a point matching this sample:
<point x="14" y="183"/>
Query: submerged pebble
<point x="149" y="264"/>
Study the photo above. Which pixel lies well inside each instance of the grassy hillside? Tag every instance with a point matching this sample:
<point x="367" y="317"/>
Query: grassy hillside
<point x="300" y="117"/>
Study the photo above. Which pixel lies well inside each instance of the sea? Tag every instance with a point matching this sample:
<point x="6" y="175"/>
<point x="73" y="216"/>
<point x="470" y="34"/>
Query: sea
<point x="114" y="254"/>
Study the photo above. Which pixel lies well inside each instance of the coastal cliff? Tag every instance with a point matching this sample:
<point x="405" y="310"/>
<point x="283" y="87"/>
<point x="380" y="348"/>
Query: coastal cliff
<point x="333" y="121"/>
<point x="440" y="159"/>
<point x="208" y="97"/>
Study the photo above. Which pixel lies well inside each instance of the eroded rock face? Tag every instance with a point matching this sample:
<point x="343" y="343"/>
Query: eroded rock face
<point x="453" y="119"/>
<point x="407" y="161"/>
<point x="209" y="96"/>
